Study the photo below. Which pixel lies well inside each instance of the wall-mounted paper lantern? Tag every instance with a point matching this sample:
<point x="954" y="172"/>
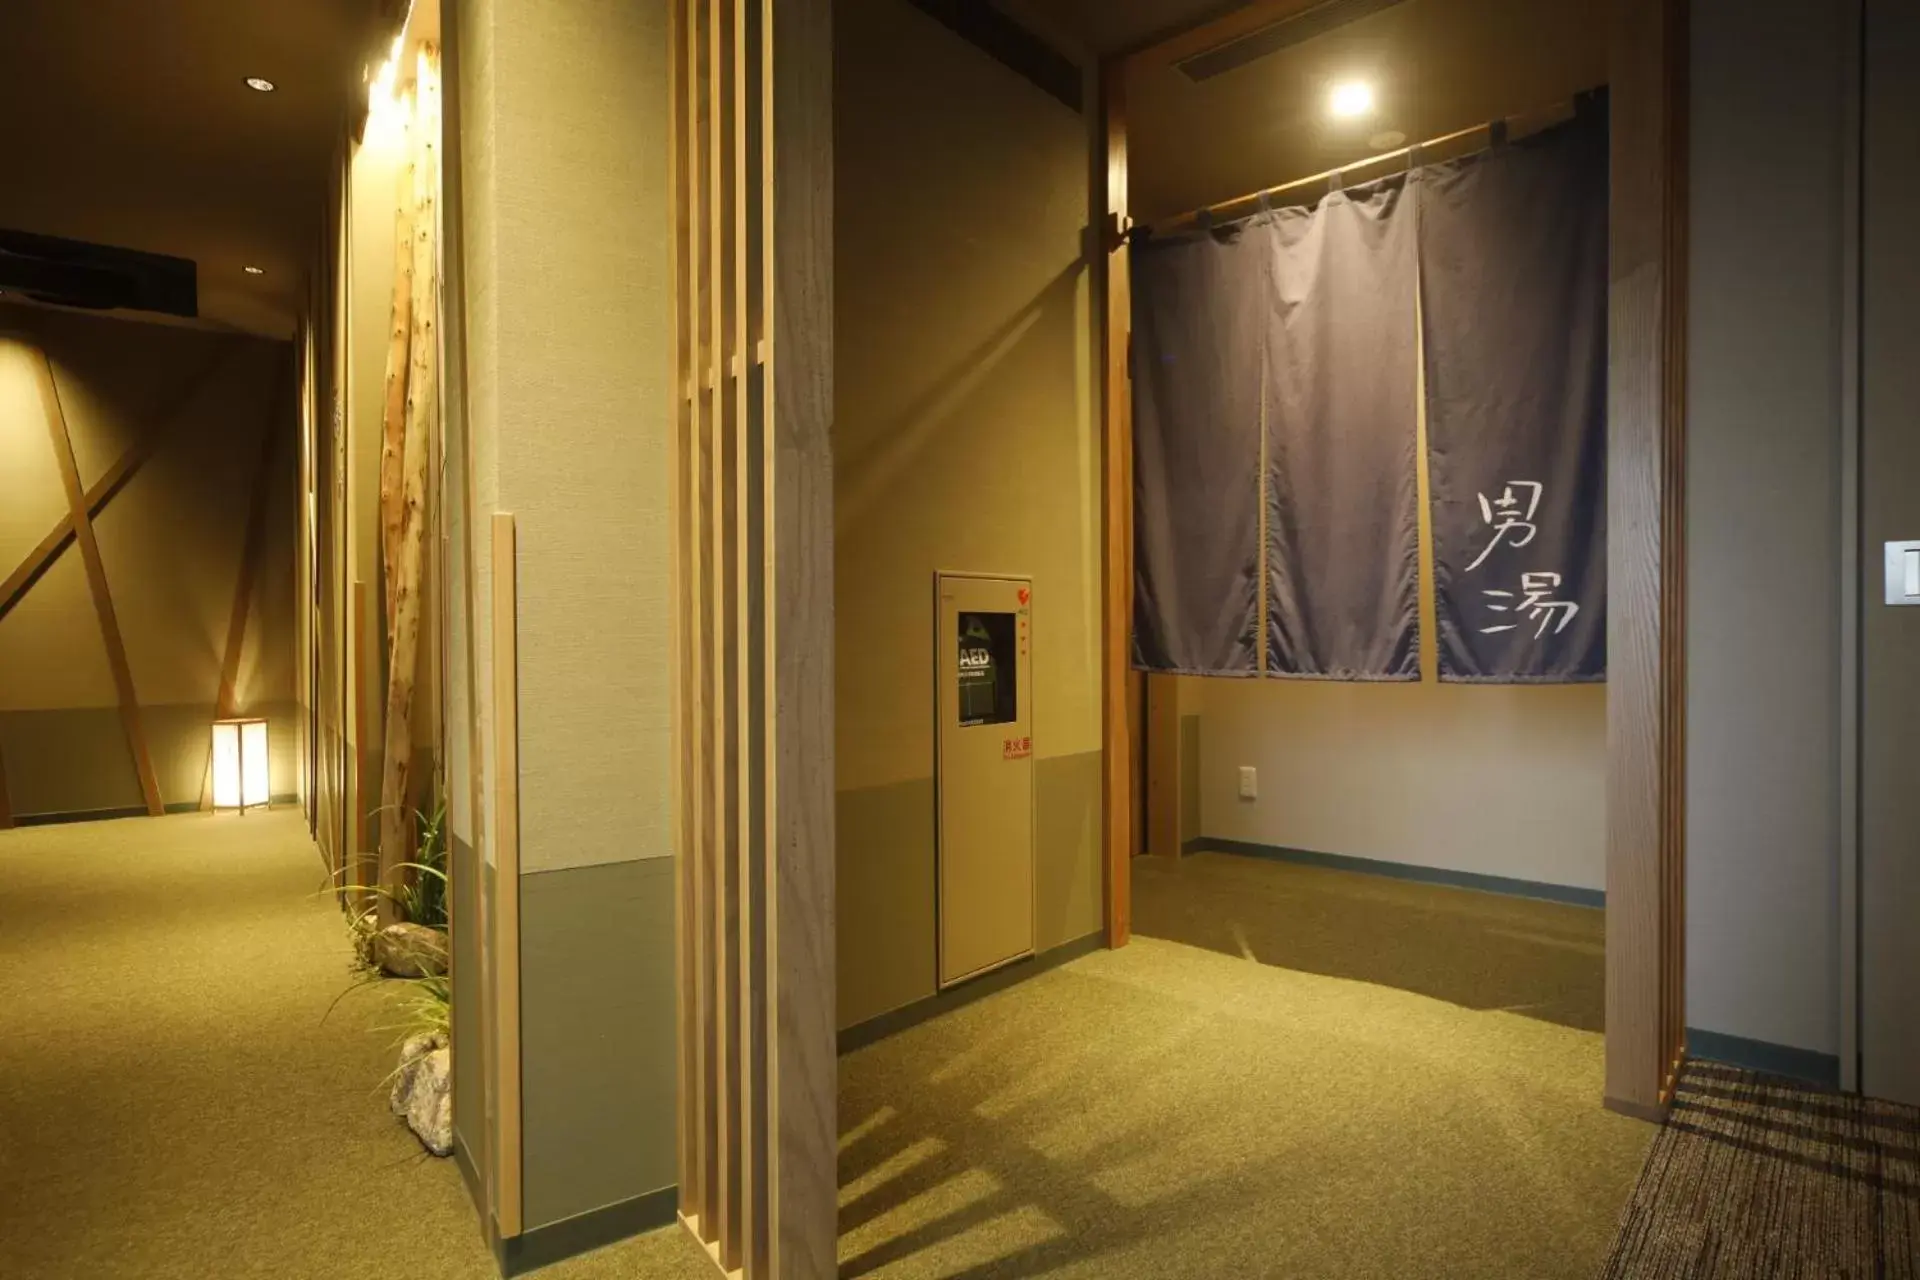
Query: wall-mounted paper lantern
<point x="239" y="764"/>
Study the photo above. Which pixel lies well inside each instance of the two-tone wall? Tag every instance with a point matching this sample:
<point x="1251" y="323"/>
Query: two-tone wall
<point x="559" y="413"/>
<point x="963" y="441"/>
<point x="171" y="542"/>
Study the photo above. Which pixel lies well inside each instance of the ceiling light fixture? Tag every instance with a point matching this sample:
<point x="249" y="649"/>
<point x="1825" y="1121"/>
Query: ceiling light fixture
<point x="255" y="271"/>
<point x="1351" y="99"/>
<point x="260" y="84"/>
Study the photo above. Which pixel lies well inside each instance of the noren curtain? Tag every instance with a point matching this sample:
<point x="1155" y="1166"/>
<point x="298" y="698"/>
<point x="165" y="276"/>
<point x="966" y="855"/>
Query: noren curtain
<point x="1513" y="262"/>
<point x="1198" y="311"/>
<point x="1343" y="556"/>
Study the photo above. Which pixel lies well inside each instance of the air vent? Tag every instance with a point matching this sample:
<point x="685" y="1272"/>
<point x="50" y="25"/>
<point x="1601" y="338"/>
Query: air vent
<point x="1283" y="34"/>
<point x="74" y="273"/>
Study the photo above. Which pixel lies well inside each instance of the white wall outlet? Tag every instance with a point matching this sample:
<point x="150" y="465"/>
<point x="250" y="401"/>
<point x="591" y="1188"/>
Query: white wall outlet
<point x="1249" y="783"/>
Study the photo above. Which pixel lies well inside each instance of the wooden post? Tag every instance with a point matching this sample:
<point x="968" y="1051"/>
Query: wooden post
<point x="82" y="524"/>
<point x="1645" y="558"/>
<point x="1116" y="523"/>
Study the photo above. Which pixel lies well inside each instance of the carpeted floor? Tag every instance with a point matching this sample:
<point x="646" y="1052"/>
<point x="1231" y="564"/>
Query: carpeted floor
<point x="1752" y="1176"/>
<point x="1174" y="1110"/>
<point x="175" y="1099"/>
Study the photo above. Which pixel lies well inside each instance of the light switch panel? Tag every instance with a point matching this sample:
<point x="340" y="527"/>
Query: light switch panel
<point x="1903" y="573"/>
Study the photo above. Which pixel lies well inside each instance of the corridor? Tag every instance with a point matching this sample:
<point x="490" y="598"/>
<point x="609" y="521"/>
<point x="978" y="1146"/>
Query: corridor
<point x="176" y="1099"/>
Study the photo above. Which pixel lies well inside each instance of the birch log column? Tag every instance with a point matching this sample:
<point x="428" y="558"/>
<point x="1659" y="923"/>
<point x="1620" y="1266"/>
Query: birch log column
<point x="406" y="448"/>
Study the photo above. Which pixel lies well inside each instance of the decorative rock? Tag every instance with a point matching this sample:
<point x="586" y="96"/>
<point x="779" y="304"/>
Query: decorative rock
<point x="423" y="1092"/>
<point x="411" y="951"/>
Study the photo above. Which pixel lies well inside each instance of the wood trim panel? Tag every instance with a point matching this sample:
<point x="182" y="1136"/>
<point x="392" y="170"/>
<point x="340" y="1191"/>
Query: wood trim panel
<point x="82" y="524"/>
<point x="509" y="1204"/>
<point x="1645" y="566"/>
<point x="6" y="804"/>
<point x="1228" y="22"/>
<point x="1116" y="518"/>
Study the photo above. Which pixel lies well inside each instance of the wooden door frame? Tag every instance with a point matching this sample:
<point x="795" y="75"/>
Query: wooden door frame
<point x="1646" y="474"/>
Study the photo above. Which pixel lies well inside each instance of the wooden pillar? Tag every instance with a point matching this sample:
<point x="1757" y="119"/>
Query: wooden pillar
<point x="1646" y="632"/>
<point x="752" y="481"/>
<point x="1116" y="521"/>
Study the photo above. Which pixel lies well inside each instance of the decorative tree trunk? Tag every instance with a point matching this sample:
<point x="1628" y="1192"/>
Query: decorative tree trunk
<point x="393" y="417"/>
<point x="421" y="419"/>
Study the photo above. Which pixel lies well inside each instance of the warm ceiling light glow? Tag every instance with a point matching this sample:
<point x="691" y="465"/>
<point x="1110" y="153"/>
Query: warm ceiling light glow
<point x="260" y="84"/>
<point x="255" y="271"/>
<point x="1351" y="98"/>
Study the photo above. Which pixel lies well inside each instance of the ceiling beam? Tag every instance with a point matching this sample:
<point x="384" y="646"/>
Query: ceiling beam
<point x="1011" y="45"/>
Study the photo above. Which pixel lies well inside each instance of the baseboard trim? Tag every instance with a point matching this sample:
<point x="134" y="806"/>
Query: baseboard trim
<point x="583" y="1233"/>
<point x="126" y="811"/>
<point x="1655" y="1114"/>
<point x="894" y="1021"/>
<point x="1805" y="1066"/>
<point x="1451" y="879"/>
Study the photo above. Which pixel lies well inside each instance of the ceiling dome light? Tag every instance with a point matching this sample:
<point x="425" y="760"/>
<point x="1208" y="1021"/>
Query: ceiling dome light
<point x="255" y="271"/>
<point x="260" y="84"/>
<point x="1350" y="99"/>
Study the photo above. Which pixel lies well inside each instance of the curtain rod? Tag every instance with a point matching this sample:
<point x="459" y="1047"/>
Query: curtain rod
<point x="1213" y="213"/>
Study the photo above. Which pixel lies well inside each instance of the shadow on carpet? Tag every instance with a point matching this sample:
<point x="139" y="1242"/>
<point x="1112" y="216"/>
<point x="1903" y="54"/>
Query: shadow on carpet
<point x="1755" y="1176"/>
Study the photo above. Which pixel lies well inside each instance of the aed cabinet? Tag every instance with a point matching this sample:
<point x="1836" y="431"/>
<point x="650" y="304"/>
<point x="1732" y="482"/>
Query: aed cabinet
<point x="983" y="771"/>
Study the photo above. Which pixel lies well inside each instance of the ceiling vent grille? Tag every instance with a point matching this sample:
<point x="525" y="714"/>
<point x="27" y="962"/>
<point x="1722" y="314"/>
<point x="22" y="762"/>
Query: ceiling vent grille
<point x="1284" y="34"/>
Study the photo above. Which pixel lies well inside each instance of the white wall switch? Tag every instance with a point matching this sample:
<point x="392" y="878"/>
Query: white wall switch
<point x="1249" y="783"/>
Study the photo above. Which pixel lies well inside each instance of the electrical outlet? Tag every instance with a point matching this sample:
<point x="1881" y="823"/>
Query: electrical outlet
<point x="1249" y="783"/>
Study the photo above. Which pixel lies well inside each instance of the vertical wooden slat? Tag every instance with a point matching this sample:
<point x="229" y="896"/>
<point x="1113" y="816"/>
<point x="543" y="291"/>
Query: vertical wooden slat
<point x="700" y="322"/>
<point x="685" y="958"/>
<point x="506" y="892"/>
<point x="97" y="582"/>
<point x="360" y="656"/>
<point x="1116" y="552"/>
<point x="1645" y="853"/>
<point x="727" y="586"/>
<point x="750" y="1161"/>
<point x="803" y="1069"/>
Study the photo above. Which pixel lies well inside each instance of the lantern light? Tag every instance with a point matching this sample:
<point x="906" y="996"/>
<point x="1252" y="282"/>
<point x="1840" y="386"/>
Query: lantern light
<point x="240" y="763"/>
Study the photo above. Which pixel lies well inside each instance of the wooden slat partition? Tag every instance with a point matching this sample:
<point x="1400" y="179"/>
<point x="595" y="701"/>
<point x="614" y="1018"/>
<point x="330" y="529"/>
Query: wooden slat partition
<point x="752" y="518"/>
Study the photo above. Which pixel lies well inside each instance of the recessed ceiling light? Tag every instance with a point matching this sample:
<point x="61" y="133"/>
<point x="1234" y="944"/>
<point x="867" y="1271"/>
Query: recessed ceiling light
<point x="260" y="84"/>
<point x="1351" y="98"/>
<point x="255" y="271"/>
<point x="1387" y="140"/>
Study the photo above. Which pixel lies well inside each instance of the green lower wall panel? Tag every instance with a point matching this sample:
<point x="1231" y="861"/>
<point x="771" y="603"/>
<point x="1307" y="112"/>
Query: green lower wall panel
<point x="884" y="881"/>
<point x="597" y="1036"/>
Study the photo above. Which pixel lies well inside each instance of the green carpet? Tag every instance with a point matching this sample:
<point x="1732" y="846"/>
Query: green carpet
<point x="175" y="1099"/>
<point x="1753" y="1176"/>
<point x="1177" y="1110"/>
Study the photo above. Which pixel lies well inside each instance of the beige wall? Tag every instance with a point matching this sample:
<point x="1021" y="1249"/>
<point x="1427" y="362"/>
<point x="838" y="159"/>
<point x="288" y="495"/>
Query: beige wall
<point x="963" y="440"/>
<point x="170" y="542"/>
<point x="559" y="208"/>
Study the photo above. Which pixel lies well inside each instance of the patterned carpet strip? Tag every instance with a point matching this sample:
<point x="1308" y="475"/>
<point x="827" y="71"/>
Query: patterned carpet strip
<point x="1755" y="1176"/>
